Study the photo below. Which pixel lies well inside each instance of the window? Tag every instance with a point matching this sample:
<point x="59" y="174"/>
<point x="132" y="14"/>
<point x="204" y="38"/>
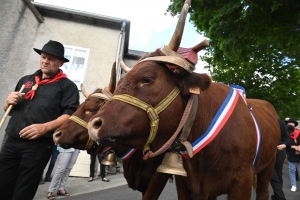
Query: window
<point x="75" y="68"/>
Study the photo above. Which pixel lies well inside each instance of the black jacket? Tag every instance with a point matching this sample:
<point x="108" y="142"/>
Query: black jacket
<point x="291" y="153"/>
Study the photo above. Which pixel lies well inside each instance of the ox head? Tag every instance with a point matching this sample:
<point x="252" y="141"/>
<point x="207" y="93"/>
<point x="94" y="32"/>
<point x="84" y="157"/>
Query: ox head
<point x="74" y="133"/>
<point x="158" y="87"/>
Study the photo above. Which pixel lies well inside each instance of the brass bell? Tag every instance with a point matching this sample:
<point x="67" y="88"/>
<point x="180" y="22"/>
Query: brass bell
<point x="172" y="164"/>
<point x="110" y="159"/>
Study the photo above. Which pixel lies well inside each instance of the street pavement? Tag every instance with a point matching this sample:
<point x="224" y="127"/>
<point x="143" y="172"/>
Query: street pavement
<point x="117" y="189"/>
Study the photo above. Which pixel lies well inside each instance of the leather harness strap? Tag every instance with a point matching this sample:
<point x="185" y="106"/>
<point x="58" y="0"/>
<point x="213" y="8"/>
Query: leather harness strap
<point x="188" y="126"/>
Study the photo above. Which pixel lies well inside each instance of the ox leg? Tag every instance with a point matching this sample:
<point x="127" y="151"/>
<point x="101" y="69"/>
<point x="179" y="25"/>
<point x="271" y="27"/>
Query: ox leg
<point x="187" y="190"/>
<point x="263" y="181"/>
<point x="242" y="186"/>
<point x="156" y="186"/>
<point x="182" y="191"/>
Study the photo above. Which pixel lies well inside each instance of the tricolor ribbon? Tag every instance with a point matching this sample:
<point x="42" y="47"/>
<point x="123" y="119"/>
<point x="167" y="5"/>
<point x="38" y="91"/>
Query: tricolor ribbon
<point x="241" y="90"/>
<point x="128" y="154"/>
<point x="217" y="123"/>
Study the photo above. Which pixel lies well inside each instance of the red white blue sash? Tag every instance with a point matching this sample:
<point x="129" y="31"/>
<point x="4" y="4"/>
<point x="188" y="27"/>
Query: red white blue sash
<point x="242" y="92"/>
<point x="258" y="137"/>
<point x="217" y="123"/>
<point x="128" y="154"/>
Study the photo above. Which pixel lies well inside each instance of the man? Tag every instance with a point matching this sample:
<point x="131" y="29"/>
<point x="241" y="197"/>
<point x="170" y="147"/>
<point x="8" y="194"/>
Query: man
<point x="291" y="145"/>
<point x="48" y="100"/>
<point x="276" y="180"/>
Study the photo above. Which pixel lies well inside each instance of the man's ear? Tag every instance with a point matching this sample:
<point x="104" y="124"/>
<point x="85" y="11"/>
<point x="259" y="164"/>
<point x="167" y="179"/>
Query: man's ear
<point x="62" y="63"/>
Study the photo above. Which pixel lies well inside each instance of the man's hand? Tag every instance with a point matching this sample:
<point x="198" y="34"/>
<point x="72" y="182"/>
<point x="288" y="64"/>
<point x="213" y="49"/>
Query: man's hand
<point x="33" y="131"/>
<point x="12" y="99"/>
<point x="297" y="148"/>
<point x="281" y="146"/>
<point x="37" y="130"/>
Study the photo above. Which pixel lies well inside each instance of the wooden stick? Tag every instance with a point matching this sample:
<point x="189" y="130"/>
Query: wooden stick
<point x="9" y="109"/>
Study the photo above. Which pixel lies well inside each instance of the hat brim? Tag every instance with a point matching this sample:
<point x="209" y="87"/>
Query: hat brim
<point x="40" y="52"/>
<point x="295" y="122"/>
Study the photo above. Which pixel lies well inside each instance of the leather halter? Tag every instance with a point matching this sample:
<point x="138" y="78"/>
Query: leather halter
<point x="151" y="112"/>
<point x="83" y="123"/>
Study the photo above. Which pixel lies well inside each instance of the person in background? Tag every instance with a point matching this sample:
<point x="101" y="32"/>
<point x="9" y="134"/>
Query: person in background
<point x="48" y="100"/>
<point x="102" y="167"/>
<point x="276" y="179"/>
<point x="54" y="155"/>
<point x="293" y="156"/>
<point x="67" y="160"/>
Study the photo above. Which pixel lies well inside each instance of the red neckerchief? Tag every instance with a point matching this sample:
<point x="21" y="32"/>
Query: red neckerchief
<point x="295" y="135"/>
<point x="57" y="77"/>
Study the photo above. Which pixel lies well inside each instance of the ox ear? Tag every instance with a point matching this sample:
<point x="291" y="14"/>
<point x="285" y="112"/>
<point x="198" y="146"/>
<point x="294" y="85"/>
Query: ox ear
<point x="205" y="81"/>
<point x="194" y="83"/>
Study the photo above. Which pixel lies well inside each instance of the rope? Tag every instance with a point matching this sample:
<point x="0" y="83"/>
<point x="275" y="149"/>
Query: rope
<point x="83" y="123"/>
<point x="78" y="121"/>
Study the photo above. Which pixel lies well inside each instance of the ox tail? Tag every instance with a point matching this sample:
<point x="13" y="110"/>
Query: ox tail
<point x="254" y="182"/>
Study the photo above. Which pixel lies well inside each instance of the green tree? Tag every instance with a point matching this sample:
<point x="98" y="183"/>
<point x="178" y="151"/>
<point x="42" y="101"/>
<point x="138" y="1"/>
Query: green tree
<point x="253" y="43"/>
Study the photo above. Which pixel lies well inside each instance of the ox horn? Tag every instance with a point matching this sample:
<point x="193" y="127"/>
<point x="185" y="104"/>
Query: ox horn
<point x="112" y="83"/>
<point x="124" y="66"/>
<point x="83" y="91"/>
<point x="201" y="45"/>
<point x="176" y="38"/>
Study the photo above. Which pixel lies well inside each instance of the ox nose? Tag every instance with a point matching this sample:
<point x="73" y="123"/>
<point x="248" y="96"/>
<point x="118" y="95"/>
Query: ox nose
<point x="93" y="128"/>
<point x="56" y="136"/>
<point x="96" y="123"/>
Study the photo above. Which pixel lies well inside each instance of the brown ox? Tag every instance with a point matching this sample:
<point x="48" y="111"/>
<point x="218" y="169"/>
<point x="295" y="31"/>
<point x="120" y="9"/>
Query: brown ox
<point x="140" y="175"/>
<point x="223" y="166"/>
<point x="73" y="133"/>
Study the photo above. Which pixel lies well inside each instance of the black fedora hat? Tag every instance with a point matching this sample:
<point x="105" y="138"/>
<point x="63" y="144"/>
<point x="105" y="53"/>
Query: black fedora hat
<point x="53" y="48"/>
<point x="287" y="120"/>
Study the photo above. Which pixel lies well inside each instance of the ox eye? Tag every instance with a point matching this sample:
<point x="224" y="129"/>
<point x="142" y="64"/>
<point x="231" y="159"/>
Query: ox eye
<point x="147" y="80"/>
<point x="92" y="110"/>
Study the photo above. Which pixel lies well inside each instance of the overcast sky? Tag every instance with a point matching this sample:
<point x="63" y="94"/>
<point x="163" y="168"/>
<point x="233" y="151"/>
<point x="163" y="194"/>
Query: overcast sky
<point x="151" y="27"/>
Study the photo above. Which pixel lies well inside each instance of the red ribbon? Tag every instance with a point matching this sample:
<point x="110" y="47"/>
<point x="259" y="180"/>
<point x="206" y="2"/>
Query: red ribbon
<point x="295" y="135"/>
<point x="30" y="94"/>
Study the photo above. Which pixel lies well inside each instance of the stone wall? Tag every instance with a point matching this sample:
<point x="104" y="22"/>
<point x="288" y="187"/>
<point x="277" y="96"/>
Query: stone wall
<point x="18" y="31"/>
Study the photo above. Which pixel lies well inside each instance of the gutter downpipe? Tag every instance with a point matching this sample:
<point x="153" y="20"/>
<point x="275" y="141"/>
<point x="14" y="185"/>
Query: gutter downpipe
<point x="118" y="70"/>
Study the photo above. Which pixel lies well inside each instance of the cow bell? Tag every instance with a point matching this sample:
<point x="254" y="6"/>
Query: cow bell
<point x="110" y="159"/>
<point x="172" y="164"/>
